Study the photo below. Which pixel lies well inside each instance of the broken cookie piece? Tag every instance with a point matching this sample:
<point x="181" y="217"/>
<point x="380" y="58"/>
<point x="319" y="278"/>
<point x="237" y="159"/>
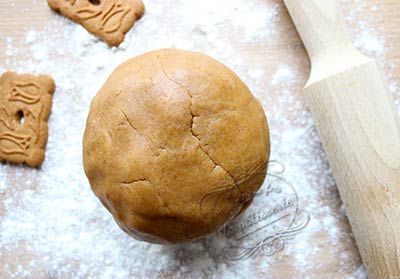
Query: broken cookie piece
<point x="25" y="104"/>
<point x="107" y="19"/>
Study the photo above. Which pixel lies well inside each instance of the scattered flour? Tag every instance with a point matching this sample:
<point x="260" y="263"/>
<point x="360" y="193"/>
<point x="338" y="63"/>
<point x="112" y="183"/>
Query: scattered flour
<point x="55" y="219"/>
<point x="283" y="74"/>
<point x="369" y="43"/>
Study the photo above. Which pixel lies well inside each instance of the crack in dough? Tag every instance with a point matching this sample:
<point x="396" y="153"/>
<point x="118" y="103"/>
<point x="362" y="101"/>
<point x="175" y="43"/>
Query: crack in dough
<point x="163" y="204"/>
<point x="148" y="139"/>
<point x="192" y="122"/>
<point x="135" y="181"/>
<point x="130" y="124"/>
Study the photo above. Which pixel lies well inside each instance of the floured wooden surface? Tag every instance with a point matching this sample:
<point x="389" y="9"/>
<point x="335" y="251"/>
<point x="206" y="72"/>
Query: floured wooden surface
<point x="52" y="226"/>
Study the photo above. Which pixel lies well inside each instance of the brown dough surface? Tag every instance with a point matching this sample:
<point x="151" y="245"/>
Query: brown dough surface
<point x="175" y="146"/>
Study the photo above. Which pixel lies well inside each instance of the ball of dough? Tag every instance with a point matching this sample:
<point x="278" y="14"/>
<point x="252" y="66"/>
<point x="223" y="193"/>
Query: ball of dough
<point x="175" y="146"/>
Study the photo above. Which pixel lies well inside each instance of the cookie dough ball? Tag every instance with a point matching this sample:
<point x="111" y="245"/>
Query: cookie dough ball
<point x="175" y="146"/>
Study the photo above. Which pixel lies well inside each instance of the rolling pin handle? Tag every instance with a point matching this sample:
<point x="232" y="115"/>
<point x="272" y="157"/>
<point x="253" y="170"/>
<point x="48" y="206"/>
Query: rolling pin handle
<point x="322" y="29"/>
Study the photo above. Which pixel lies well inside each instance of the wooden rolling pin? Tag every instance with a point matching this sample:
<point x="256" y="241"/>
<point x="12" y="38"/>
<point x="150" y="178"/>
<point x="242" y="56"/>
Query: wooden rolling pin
<point x="360" y="131"/>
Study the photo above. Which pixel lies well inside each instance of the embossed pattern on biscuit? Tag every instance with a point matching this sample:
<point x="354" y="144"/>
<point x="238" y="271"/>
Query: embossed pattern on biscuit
<point x="25" y="103"/>
<point x="107" y="19"/>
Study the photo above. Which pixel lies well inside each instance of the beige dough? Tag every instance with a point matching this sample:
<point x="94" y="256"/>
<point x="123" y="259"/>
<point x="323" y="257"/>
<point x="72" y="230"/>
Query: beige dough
<point x="175" y="146"/>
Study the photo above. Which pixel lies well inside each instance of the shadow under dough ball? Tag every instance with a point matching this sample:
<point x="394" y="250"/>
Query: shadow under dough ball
<point x="175" y="146"/>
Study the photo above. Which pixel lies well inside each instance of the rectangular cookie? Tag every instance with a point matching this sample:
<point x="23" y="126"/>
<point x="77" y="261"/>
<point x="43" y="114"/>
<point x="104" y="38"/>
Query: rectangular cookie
<point x="107" y="19"/>
<point x="25" y="104"/>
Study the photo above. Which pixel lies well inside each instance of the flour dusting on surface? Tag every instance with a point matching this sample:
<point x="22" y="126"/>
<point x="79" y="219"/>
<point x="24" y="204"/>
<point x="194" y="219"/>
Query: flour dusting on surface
<point x="53" y="226"/>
